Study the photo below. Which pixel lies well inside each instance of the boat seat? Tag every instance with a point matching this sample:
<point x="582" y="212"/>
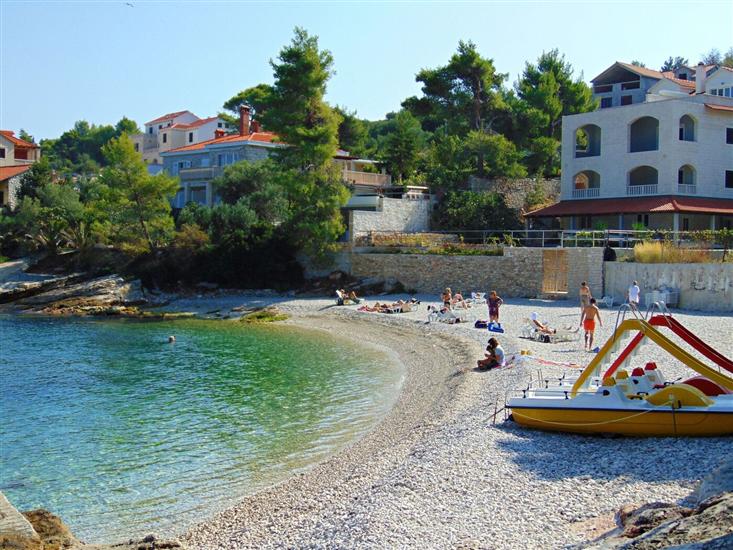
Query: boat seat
<point x="680" y="395"/>
<point x="638" y="371"/>
<point x="708" y="387"/>
<point x="622" y="375"/>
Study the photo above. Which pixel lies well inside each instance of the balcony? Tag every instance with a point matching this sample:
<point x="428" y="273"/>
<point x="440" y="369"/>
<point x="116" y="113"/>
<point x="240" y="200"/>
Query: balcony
<point x="199" y="174"/>
<point x="636" y="190"/>
<point x="591" y="193"/>
<point x="686" y="189"/>
<point x="365" y="178"/>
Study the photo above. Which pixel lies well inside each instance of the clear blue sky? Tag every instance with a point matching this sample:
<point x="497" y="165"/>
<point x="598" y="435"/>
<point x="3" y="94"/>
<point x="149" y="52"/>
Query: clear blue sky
<point x="65" y="61"/>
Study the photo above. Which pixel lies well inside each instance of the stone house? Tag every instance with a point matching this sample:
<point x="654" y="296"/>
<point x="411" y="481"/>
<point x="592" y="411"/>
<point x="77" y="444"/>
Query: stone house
<point x="16" y="157"/>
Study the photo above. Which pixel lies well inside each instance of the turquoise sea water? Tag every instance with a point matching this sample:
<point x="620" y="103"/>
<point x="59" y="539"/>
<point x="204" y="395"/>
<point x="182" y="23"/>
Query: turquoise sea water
<point x="123" y="434"/>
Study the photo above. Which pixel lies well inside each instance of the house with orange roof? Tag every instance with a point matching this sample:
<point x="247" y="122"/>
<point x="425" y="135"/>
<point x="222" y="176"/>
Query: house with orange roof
<point x="658" y="154"/>
<point x="172" y="131"/>
<point x="16" y="157"/>
<point x="197" y="165"/>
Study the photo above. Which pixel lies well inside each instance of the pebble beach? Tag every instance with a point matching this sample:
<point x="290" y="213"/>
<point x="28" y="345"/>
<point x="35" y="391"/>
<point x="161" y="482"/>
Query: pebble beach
<point x="441" y="470"/>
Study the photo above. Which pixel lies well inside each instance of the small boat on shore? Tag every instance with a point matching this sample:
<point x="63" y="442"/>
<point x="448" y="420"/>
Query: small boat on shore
<point x="641" y="402"/>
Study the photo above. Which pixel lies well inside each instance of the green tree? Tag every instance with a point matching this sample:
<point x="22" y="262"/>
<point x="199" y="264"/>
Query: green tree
<point x="259" y="185"/>
<point x="548" y="86"/>
<point x="544" y="156"/>
<point x="135" y="201"/>
<point x="35" y="178"/>
<point x="302" y="119"/>
<point x="352" y="132"/>
<point x="713" y="57"/>
<point x="447" y="164"/>
<point x="257" y="97"/>
<point x="461" y="96"/>
<point x="673" y="63"/>
<point x="498" y="153"/>
<point x="126" y="126"/>
<point x="401" y="148"/>
<point x="470" y="210"/>
<point x="637" y="63"/>
<point x="25" y="136"/>
<point x="728" y="59"/>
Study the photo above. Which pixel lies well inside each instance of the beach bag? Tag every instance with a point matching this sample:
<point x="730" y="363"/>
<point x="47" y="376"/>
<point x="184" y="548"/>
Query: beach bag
<point x="495" y="327"/>
<point x="481" y="324"/>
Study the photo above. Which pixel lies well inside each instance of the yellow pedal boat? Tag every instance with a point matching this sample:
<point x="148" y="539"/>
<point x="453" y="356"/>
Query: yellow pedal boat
<point x="640" y="403"/>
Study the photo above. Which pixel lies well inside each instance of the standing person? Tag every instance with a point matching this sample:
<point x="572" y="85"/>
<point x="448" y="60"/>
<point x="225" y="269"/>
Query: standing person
<point x="447" y="298"/>
<point x="588" y="320"/>
<point x="632" y="295"/>
<point x="494" y="303"/>
<point x="494" y="356"/>
<point x="585" y="296"/>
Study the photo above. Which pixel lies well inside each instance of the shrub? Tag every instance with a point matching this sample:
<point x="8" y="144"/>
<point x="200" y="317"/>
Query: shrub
<point x="655" y="252"/>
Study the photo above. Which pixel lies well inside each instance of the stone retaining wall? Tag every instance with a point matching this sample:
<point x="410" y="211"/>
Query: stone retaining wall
<point x="403" y="215"/>
<point x="706" y="287"/>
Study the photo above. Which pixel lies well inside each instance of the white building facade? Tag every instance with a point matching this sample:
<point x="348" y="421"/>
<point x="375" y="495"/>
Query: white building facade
<point x="665" y="163"/>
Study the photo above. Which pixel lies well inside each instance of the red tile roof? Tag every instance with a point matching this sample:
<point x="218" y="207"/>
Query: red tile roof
<point x="669" y="75"/>
<point x="168" y="116"/>
<point x="719" y="107"/>
<point x="261" y="137"/>
<point x="7" y="172"/>
<point x="17" y="141"/>
<point x="635" y="205"/>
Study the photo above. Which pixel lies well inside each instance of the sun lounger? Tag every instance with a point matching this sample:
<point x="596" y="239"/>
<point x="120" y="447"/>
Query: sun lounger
<point x="449" y="316"/>
<point x="478" y="298"/>
<point x="531" y="331"/>
<point x="606" y="301"/>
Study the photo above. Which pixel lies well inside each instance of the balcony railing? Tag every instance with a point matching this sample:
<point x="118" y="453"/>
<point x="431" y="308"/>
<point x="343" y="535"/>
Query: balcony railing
<point x="642" y="189"/>
<point x="188" y="174"/>
<point x="366" y="178"/>
<point x="589" y="193"/>
<point x="687" y="189"/>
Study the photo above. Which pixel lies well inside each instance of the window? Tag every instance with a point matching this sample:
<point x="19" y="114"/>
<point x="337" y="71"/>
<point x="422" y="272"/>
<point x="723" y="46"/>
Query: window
<point x="2" y="198"/>
<point x="150" y="130"/>
<point x="205" y="162"/>
<point x="643" y="218"/>
<point x="190" y="137"/>
<point x="165" y="138"/>
<point x="2" y="152"/>
<point x="687" y="128"/>
<point x="606" y="102"/>
<point x="644" y="135"/>
<point x="160" y="126"/>
<point x="729" y="135"/>
<point x="626" y="100"/>
<point x="680" y="176"/>
<point x="729" y="179"/>
<point x="218" y="124"/>
<point x="685" y="224"/>
<point x="137" y="147"/>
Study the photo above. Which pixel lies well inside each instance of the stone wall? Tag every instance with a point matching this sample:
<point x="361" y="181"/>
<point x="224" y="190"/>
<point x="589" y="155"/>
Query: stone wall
<point x="585" y="264"/>
<point x="403" y="215"/>
<point x="706" y="287"/>
<point x="517" y="273"/>
<point x="516" y="190"/>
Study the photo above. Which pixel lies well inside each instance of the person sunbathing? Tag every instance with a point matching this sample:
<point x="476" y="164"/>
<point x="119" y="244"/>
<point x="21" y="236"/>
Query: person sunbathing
<point x="543" y="328"/>
<point x="458" y="299"/>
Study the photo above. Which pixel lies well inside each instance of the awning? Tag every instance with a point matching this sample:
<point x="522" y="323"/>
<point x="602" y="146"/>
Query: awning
<point x="719" y="107"/>
<point x="635" y="205"/>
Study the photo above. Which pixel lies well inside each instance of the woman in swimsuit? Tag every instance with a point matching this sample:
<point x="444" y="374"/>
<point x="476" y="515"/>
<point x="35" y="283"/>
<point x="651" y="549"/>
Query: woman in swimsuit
<point x="585" y="295"/>
<point x="447" y="298"/>
<point x="494" y="302"/>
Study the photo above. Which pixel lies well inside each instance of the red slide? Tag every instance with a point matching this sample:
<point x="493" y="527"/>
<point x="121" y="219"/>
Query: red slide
<point x="680" y="330"/>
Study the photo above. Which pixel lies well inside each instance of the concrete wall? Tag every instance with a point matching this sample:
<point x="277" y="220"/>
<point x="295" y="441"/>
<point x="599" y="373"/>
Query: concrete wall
<point x="403" y="215"/>
<point x="706" y="287"/>
<point x="519" y="273"/>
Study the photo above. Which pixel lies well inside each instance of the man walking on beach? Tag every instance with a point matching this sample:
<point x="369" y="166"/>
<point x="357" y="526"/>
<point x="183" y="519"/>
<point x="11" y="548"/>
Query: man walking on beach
<point x="588" y="320"/>
<point x="632" y="295"/>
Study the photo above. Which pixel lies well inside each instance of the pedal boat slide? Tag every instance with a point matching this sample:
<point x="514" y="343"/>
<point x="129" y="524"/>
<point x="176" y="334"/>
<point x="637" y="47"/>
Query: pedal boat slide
<point x="641" y="403"/>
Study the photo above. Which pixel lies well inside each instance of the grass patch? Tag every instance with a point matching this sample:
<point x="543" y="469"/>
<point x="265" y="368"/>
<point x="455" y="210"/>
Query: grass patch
<point x="267" y="315"/>
<point x="656" y="252"/>
<point x="4" y="259"/>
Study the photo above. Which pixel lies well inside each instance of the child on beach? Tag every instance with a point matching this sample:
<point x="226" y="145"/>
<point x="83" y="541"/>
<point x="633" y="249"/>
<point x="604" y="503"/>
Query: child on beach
<point x="588" y="320"/>
<point x="494" y="356"/>
<point x="494" y="303"/>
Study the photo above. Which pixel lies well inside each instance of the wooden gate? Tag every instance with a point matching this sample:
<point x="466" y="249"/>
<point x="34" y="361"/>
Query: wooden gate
<point x="554" y="271"/>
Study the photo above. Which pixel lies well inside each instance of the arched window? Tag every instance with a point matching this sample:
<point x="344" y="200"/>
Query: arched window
<point x="586" y="184"/>
<point x="644" y="135"/>
<point x="686" y="175"/>
<point x="588" y="141"/>
<point x="687" y="128"/>
<point x="642" y="180"/>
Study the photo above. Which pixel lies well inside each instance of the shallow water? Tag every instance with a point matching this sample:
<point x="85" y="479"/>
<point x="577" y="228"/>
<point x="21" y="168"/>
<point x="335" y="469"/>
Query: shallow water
<point x="122" y="434"/>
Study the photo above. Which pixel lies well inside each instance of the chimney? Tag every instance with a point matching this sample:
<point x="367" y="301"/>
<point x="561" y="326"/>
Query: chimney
<point x="256" y="126"/>
<point x="244" y="120"/>
<point x="219" y="133"/>
<point x="700" y="79"/>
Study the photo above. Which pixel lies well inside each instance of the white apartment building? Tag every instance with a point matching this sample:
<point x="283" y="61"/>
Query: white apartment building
<point x="174" y="130"/>
<point x="665" y="162"/>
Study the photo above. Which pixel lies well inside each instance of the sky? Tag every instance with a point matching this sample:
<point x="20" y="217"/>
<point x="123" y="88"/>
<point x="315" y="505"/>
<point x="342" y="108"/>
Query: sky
<point x="63" y="61"/>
